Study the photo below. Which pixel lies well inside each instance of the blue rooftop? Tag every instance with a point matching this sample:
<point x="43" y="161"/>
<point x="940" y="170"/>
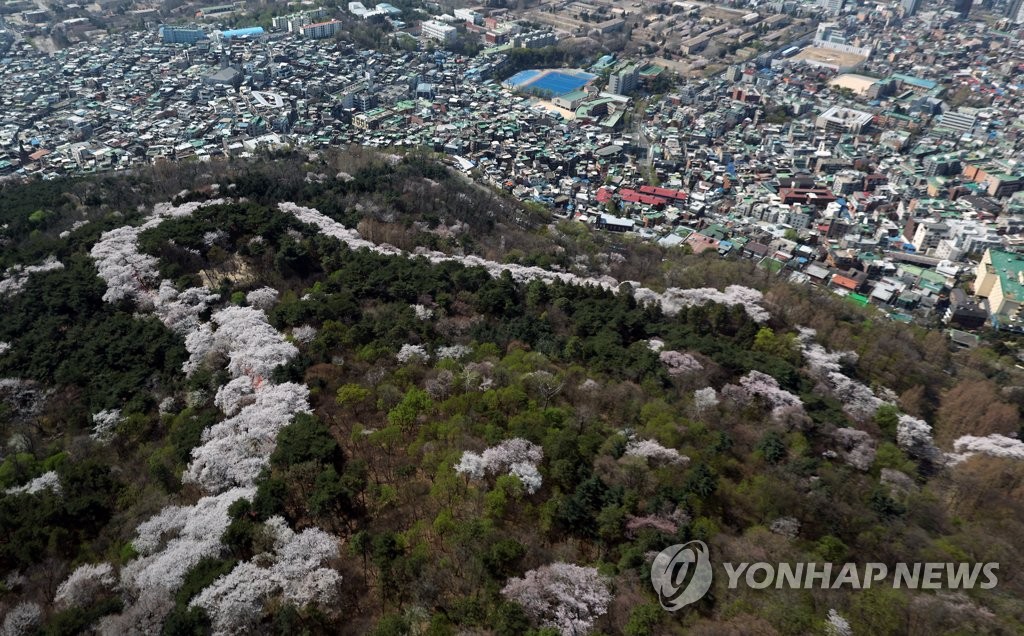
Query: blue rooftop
<point x="915" y="81"/>
<point x="241" y="33"/>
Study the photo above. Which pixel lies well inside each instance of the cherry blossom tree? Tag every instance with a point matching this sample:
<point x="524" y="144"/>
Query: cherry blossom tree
<point x="85" y="585"/>
<point x="512" y="451"/>
<point x="15" y="277"/>
<point x="235" y="450"/>
<point x="517" y="457"/>
<point x="471" y="464"/>
<point x="252" y="345"/>
<point x="859" y="401"/>
<point x="235" y="600"/>
<point x="263" y="298"/>
<point x="653" y="451"/>
<point x="180" y="311"/>
<point x="856" y="447"/>
<point x="47" y="481"/>
<point x="756" y="383"/>
<point x="22" y="619"/>
<point x="128" y="273"/>
<point x="235" y="394"/>
<point x="679" y="363"/>
<point x="423" y="312"/>
<point x="171" y="542"/>
<point x="144" y="615"/>
<point x="671" y="301"/>
<point x="668" y="524"/>
<point x="704" y="399"/>
<point x="914" y="436"/>
<point x="994" y="445"/>
<point x="304" y="334"/>
<point x="105" y="424"/>
<point x="453" y="352"/>
<point x="410" y="352"/>
<point x="528" y="475"/>
<point x="836" y="625"/>
<point x="563" y="596"/>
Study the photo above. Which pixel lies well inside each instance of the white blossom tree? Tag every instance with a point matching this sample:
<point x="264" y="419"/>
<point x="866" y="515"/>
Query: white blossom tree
<point x="252" y="345"/>
<point x="453" y="352"/>
<point x="678" y="363"/>
<point x="410" y="352"/>
<point x="423" y="312"/>
<point x="85" y="585"/>
<point x="564" y="596"/>
<point x="653" y="451"/>
<point x="704" y="399"/>
<point x="756" y="383"/>
<point x="47" y="481"/>
<point x="15" y="277"/>
<point x="994" y="445"/>
<point x="22" y="619"/>
<point x="105" y="424"/>
<point x="471" y="464"/>
<point x="517" y="457"/>
<point x="856" y="447"/>
<point x="671" y="301"/>
<point x="263" y="298"/>
<point x="836" y="625"/>
<point x="914" y="436"/>
<point x="171" y="542"/>
<point x="234" y="601"/>
<point x="528" y="475"/>
<point x="235" y="450"/>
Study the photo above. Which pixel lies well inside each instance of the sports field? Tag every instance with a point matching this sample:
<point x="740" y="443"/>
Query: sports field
<point x="549" y="82"/>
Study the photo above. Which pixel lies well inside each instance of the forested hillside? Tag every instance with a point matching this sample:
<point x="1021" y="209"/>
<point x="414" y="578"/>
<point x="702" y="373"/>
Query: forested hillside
<point x="358" y="394"/>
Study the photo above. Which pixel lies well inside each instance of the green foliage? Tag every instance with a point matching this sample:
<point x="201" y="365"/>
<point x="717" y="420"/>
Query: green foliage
<point x="44" y="524"/>
<point x="434" y="545"/>
<point x="62" y="333"/>
<point x="644" y="620"/>
<point x="201" y="576"/>
<point x="888" y="418"/>
<point x="772" y="447"/>
<point x="77" y="620"/>
<point x="305" y="439"/>
<point x="509" y="619"/>
<point x="878" y="610"/>
<point x="191" y="621"/>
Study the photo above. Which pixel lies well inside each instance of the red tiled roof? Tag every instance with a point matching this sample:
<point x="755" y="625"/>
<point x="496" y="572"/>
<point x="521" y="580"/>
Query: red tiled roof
<point x="844" y="281"/>
<point x="632" y="196"/>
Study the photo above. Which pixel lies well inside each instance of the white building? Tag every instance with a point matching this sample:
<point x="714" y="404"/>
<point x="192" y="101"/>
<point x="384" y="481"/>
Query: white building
<point x="469" y="15"/>
<point x="321" y="29"/>
<point x="438" y="31"/>
<point x="927" y="236"/>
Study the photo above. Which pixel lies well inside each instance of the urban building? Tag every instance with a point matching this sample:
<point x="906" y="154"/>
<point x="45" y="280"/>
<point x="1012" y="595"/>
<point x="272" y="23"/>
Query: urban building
<point x="625" y="80"/>
<point x="439" y="31"/>
<point x="1000" y="279"/>
<point x="181" y="34"/>
<point x="320" y="30"/>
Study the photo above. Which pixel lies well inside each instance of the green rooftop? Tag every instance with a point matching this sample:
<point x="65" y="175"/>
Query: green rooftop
<point x="858" y="299"/>
<point x="1009" y="266"/>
